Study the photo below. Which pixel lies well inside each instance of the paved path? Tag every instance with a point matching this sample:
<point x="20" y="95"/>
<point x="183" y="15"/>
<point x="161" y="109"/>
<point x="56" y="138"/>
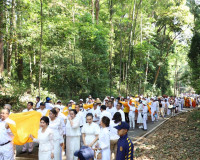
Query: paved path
<point x="133" y="134"/>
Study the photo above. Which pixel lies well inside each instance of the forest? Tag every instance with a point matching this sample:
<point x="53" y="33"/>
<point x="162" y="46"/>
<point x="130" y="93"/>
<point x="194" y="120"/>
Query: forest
<point x="70" y="49"/>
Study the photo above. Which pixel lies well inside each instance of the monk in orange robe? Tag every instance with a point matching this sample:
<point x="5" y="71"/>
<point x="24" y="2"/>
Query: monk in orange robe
<point x="194" y="103"/>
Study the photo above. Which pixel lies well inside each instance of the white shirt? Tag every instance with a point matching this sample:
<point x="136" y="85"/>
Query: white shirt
<point x="5" y="134"/>
<point x="96" y="112"/>
<point x="73" y="130"/>
<point x="43" y="112"/>
<point x="122" y="114"/>
<point x="153" y="107"/>
<point x="113" y="131"/>
<point x="145" y="110"/>
<point x="132" y="110"/>
<point x="111" y="110"/>
<point x="61" y="107"/>
<point x="38" y="105"/>
<point x="62" y="118"/>
<point x="163" y="104"/>
<point x="104" y="143"/>
<point x="106" y="113"/>
<point x="56" y="127"/>
<point x="26" y="110"/>
<point x="49" y="106"/>
<point x="81" y="117"/>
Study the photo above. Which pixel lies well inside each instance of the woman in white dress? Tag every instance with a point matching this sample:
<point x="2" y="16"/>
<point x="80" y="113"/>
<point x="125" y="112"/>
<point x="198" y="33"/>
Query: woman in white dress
<point x="56" y="126"/>
<point x="139" y="118"/>
<point x="72" y="135"/>
<point x="90" y="131"/>
<point x="45" y="140"/>
<point x="104" y="138"/>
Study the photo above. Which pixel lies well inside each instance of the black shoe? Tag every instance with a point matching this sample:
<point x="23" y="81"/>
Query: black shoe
<point x="30" y="152"/>
<point x="144" y="129"/>
<point x="22" y="152"/>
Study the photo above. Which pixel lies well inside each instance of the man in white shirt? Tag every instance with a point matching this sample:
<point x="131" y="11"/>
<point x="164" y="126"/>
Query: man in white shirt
<point x="110" y="108"/>
<point x="80" y="115"/>
<point x="105" y="113"/>
<point x="153" y="109"/>
<point x="48" y="104"/>
<point x="42" y="109"/>
<point x="119" y="109"/>
<point x="145" y="117"/>
<point x="132" y="115"/>
<point x="29" y="145"/>
<point x="37" y="105"/>
<point x="6" y="146"/>
<point x="60" y="106"/>
<point x="96" y="112"/>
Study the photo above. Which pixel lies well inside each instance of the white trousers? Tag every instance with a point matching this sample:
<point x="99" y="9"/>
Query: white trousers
<point x="132" y="121"/>
<point x="72" y="145"/>
<point x="145" y="120"/>
<point x="57" y="150"/>
<point x="7" y="152"/>
<point x="152" y="116"/>
<point x="28" y="146"/>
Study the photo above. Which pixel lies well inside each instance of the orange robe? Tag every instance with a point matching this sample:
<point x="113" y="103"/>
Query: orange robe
<point x="194" y="103"/>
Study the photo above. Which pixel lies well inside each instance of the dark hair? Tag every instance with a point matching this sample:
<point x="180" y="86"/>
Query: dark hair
<point x="103" y="107"/>
<point x="106" y="121"/>
<point x="120" y="104"/>
<point x="117" y="117"/>
<point x="89" y="114"/>
<point x="75" y="112"/>
<point x="31" y="103"/>
<point x="54" y="111"/>
<point x="45" y="119"/>
<point x="42" y="104"/>
<point x="38" y="97"/>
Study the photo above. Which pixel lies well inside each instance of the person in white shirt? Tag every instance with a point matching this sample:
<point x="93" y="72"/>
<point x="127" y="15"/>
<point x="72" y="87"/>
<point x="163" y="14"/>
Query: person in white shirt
<point x="6" y="146"/>
<point x="48" y="104"/>
<point x="131" y="115"/>
<point x="8" y="106"/>
<point x="110" y="108"/>
<point x="144" y="112"/>
<point x="153" y="110"/>
<point x="80" y="115"/>
<point x="104" y="138"/>
<point x="105" y="113"/>
<point x="139" y="118"/>
<point x="42" y="109"/>
<point x="72" y="135"/>
<point x="96" y="112"/>
<point x="60" y="106"/>
<point x="119" y="109"/>
<point x="45" y="140"/>
<point x="90" y="132"/>
<point x="113" y="133"/>
<point x="37" y="105"/>
<point x="29" y="145"/>
<point x="55" y="125"/>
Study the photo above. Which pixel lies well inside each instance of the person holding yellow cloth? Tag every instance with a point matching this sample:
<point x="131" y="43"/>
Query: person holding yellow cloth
<point x="45" y="140"/>
<point x="43" y="110"/>
<point x="126" y="109"/>
<point x="28" y="146"/>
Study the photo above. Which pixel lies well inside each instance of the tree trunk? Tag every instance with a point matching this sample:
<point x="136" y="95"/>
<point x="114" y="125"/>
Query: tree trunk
<point x="1" y="38"/>
<point x="92" y="10"/>
<point x="41" y="41"/>
<point x="97" y="11"/>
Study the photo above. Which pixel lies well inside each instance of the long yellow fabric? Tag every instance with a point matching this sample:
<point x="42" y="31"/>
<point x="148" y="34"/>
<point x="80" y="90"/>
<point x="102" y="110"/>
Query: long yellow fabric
<point x="65" y="111"/>
<point x="87" y="106"/>
<point x="26" y="123"/>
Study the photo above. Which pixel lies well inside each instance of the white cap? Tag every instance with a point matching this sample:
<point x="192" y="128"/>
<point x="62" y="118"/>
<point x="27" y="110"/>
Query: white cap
<point x="81" y="99"/>
<point x="71" y="101"/>
<point x="106" y="99"/>
<point x="58" y="101"/>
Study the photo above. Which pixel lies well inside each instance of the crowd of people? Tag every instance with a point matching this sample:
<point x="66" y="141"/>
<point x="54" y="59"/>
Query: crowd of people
<point x="92" y="130"/>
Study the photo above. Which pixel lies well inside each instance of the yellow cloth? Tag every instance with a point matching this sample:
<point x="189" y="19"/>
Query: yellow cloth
<point x="47" y="114"/>
<point x="86" y="106"/>
<point x="73" y="106"/>
<point x="26" y="123"/>
<point x="126" y="107"/>
<point x="65" y="111"/>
